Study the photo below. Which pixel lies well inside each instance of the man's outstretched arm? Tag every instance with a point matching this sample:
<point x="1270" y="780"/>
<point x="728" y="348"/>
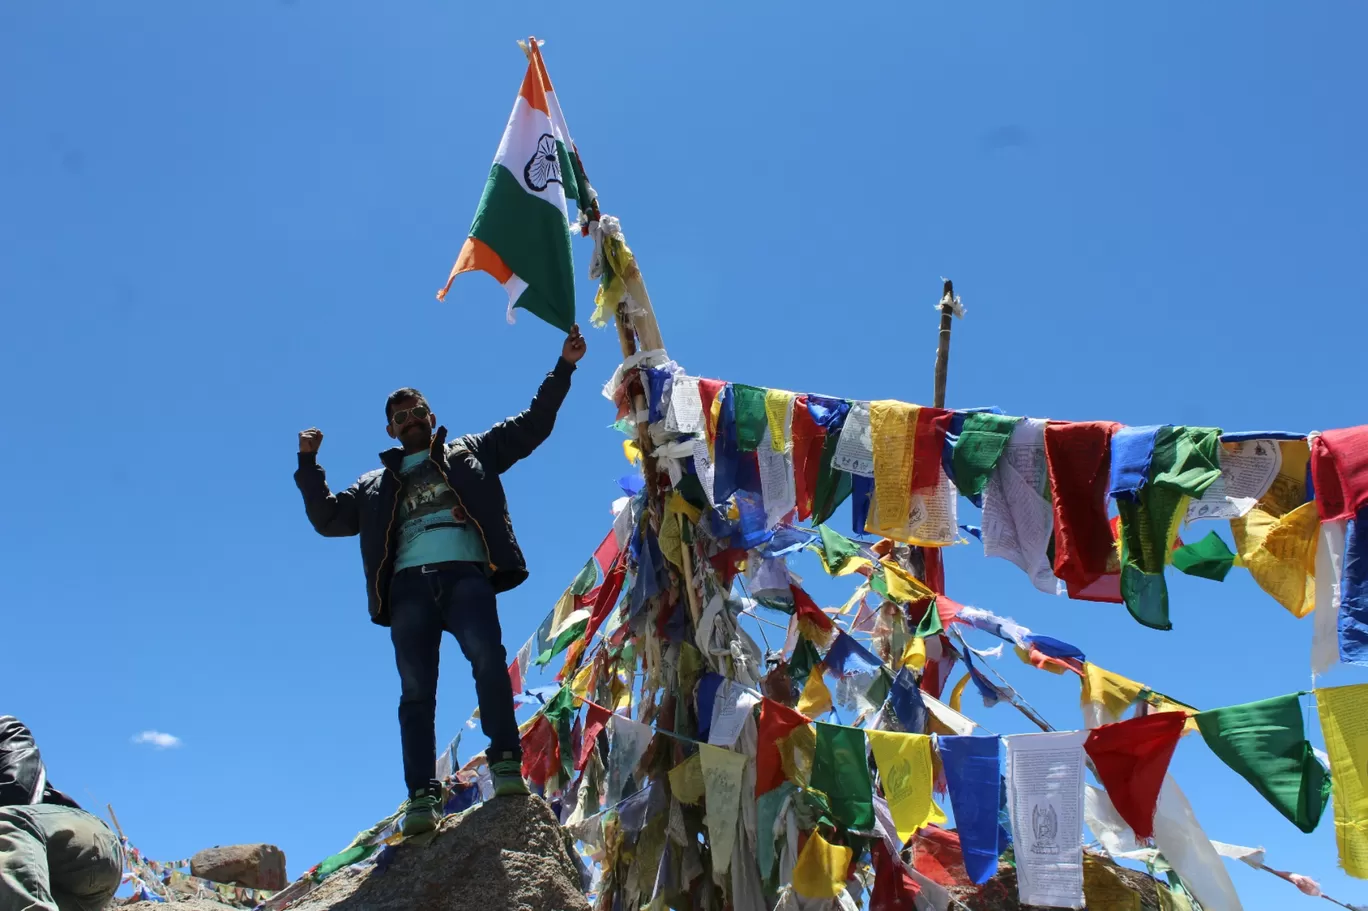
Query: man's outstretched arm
<point x="333" y="516"/>
<point x="512" y="440"/>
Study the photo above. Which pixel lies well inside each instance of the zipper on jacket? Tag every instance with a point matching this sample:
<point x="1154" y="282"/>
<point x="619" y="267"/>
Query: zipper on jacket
<point x="461" y="503"/>
<point x="380" y="570"/>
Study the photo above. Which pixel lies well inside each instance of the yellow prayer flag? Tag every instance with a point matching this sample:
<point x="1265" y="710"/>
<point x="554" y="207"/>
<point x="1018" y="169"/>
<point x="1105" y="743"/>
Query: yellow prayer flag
<point x="893" y="429"/>
<point x="958" y="692"/>
<point x="723" y="771"/>
<point x="904" y="762"/>
<point x="1052" y="666"/>
<point x="902" y="585"/>
<point x="580" y="684"/>
<point x="1104" y="890"/>
<point x="676" y="503"/>
<point x="821" y="868"/>
<point x="632" y="451"/>
<point x="1280" y="553"/>
<point x="671" y="541"/>
<point x="796" y="749"/>
<point x="1344" y="723"/>
<point x="914" y="655"/>
<point x="1111" y="693"/>
<point x="816" y="698"/>
<point x="686" y="780"/>
<point x="776" y="413"/>
<point x="1161" y="703"/>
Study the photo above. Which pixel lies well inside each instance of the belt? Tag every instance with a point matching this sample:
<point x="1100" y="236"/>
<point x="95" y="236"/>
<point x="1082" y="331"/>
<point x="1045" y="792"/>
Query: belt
<point x="429" y="568"/>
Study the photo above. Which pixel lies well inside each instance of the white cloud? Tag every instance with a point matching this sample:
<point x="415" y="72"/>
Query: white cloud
<point x="158" y="739"/>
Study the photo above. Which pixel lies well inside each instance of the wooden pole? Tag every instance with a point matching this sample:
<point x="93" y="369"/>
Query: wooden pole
<point x="117" y="827"/>
<point x="943" y="344"/>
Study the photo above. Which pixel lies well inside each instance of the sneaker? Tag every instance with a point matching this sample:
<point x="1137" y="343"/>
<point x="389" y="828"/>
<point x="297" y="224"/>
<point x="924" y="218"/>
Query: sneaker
<point x="422" y="811"/>
<point x="508" y="780"/>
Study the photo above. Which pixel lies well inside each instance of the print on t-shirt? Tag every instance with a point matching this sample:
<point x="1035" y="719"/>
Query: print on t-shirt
<point x="428" y="503"/>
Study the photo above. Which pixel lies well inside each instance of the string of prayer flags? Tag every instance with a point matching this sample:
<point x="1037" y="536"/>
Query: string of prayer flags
<point x="1344" y="723"/>
<point x="973" y="776"/>
<point x="1131" y="759"/>
<point x="1209" y="558"/>
<point x="1078" y="457"/>
<point x="1264" y="742"/>
<point x="840" y="770"/>
<point x="776" y="721"/>
<point x="982" y="440"/>
<point x="905" y="771"/>
<point x="1045" y="786"/>
<point x="821" y="868"/>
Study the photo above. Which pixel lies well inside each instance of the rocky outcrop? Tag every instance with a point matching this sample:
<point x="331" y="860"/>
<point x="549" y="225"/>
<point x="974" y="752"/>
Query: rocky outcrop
<point x="253" y="866"/>
<point x="508" y="854"/>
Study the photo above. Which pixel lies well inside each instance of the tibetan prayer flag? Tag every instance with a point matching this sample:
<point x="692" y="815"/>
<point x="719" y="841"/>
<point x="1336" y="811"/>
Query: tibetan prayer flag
<point x="1106" y="696"/>
<point x="1280" y="553"/>
<point x="902" y="586"/>
<point x="812" y="620"/>
<point x="750" y="416"/>
<point x="815" y="699"/>
<point x="1105" y="890"/>
<point x="1131" y="758"/>
<point x="893" y="429"/>
<point x="595" y="718"/>
<point x="894" y="888"/>
<point x="803" y="660"/>
<point x="821" y="868"/>
<point x="840" y="556"/>
<point x="1078" y="457"/>
<point x="905" y="771"/>
<point x="981" y="442"/>
<point x="847" y="657"/>
<point x="776" y="721"/>
<point x="1209" y="558"/>
<point x="973" y="774"/>
<point x="808" y="439"/>
<point x="1264" y="741"/>
<point x="905" y="699"/>
<point x="1344" y="723"/>
<point x="723" y="771"/>
<point x="686" y="780"/>
<point x="1132" y="450"/>
<point x="521" y="232"/>
<point x="1339" y="472"/>
<point x="840" y="770"/>
<point x="1353" y="591"/>
<point x="1045" y="785"/>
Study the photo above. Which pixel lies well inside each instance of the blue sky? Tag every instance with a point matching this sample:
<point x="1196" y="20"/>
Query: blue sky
<point x="220" y="224"/>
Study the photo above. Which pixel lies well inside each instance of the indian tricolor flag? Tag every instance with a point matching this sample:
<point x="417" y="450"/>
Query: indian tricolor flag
<point x="521" y="233"/>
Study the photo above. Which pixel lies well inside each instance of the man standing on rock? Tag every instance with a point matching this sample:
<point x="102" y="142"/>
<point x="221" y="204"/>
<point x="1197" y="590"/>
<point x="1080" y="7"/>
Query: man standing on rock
<point x="437" y="546"/>
<point x="53" y="854"/>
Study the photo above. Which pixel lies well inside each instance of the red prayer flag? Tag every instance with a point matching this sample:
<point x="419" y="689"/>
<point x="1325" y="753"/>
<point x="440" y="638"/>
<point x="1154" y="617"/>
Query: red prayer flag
<point x="776" y="720"/>
<point x="515" y="676"/>
<point x="607" y="552"/>
<point x="1339" y="472"/>
<point x="936" y="854"/>
<point x="1078" y="457"/>
<point x="1131" y="758"/>
<point x="808" y="440"/>
<point x="806" y="609"/>
<point x="607" y="596"/>
<point x="708" y="391"/>
<point x="594" y="720"/>
<point x="541" y="751"/>
<point x="894" y="888"/>
<point x="932" y="425"/>
<point x="935" y="569"/>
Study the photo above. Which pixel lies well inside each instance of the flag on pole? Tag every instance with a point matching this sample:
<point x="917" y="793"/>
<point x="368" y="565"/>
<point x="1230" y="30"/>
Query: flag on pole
<point x="521" y="232"/>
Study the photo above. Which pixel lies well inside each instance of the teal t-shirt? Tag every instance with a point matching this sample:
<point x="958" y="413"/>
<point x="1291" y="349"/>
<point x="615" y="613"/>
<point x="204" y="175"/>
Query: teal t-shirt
<point x="432" y="526"/>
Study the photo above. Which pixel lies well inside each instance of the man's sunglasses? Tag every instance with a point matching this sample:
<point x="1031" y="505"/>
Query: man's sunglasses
<point x="418" y="412"/>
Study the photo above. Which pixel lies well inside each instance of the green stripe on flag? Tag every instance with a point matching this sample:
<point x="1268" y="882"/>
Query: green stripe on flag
<point x="532" y="238"/>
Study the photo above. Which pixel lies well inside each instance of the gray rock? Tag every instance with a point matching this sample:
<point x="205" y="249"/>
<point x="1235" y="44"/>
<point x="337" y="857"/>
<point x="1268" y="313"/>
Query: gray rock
<point x="253" y="866"/>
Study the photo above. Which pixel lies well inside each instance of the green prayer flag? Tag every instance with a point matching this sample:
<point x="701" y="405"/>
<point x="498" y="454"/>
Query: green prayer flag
<point x="930" y="623"/>
<point x="981" y="443"/>
<point x="877" y="693"/>
<point x="833" y="485"/>
<point x="1265" y="742"/>
<point x="840" y="770"/>
<point x="567" y="635"/>
<point x="804" y="659"/>
<point x="836" y="549"/>
<point x="353" y="855"/>
<point x="584" y="582"/>
<point x="1185" y="463"/>
<point x="623" y="425"/>
<point x="1209" y="558"/>
<point x="751" y="420"/>
<point x="560" y="711"/>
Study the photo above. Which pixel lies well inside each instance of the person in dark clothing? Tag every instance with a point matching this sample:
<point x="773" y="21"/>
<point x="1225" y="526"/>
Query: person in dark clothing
<point x="54" y="856"/>
<point x="437" y="546"/>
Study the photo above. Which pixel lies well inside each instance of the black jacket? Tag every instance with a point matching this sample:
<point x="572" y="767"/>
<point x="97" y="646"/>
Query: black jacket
<point x="23" y="779"/>
<point x="471" y="466"/>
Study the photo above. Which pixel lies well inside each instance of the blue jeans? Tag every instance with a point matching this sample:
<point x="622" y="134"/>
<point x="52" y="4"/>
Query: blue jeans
<point x="460" y="600"/>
